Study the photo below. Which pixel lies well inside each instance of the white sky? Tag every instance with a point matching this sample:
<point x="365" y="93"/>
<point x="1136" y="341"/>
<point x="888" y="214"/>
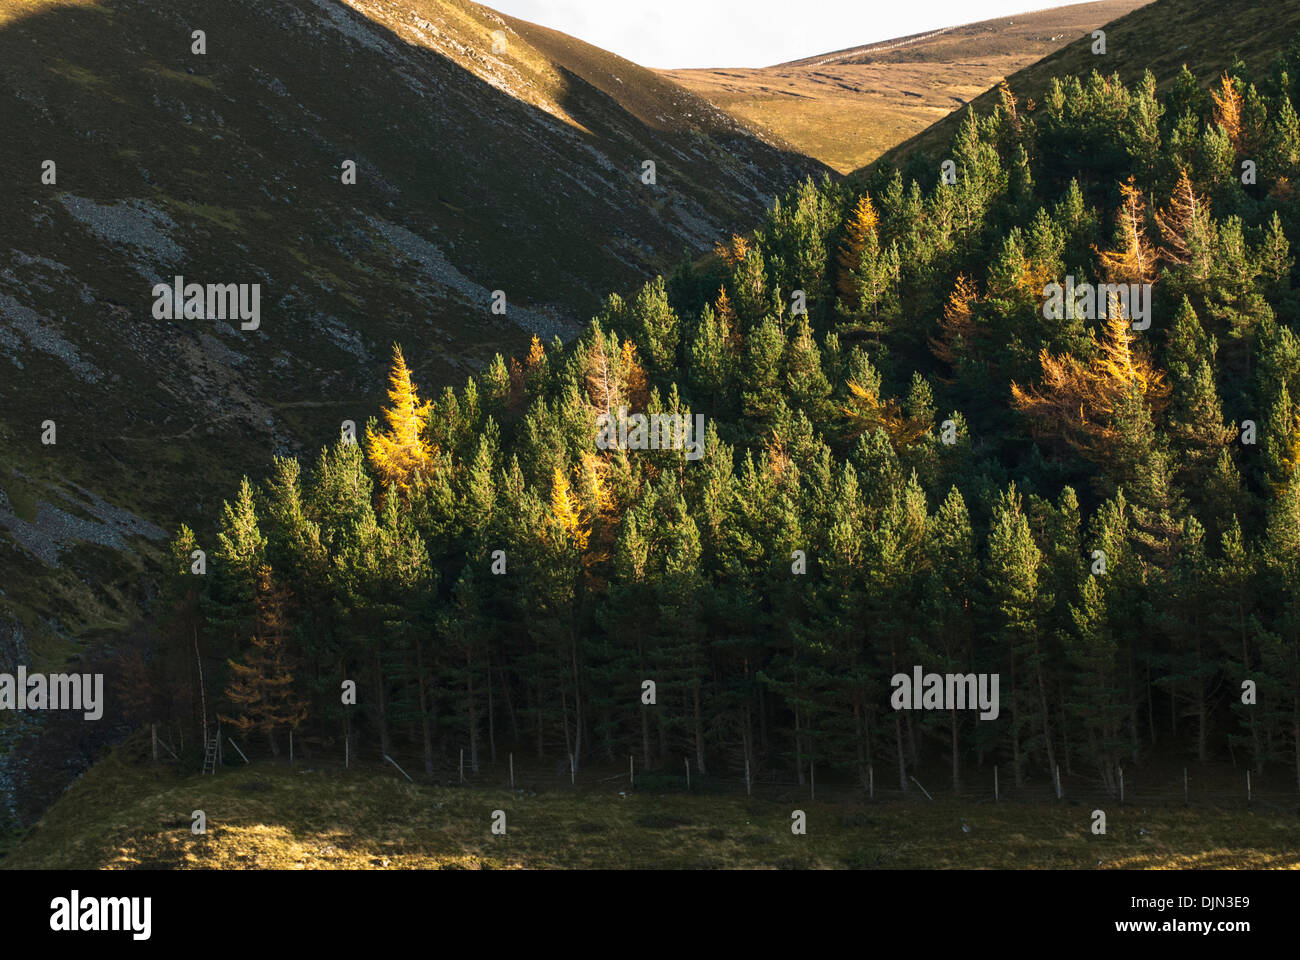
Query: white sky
<point x="669" y="34"/>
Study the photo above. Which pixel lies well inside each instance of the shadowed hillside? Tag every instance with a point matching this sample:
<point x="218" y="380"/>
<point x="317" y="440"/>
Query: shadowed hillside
<point x="476" y="171"/>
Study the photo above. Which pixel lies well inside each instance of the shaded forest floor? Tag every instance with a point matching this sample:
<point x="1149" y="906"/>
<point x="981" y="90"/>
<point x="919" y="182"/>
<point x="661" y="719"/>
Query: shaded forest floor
<point x="124" y="814"/>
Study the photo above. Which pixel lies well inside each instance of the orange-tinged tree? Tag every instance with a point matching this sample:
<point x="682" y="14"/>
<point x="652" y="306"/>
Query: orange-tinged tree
<point x="866" y="413"/>
<point x="1227" y="110"/>
<point x="1134" y="260"/>
<point x="634" y="379"/>
<point x="400" y="451"/>
<point x="1186" y="228"/>
<point x="733" y="251"/>
<point x="261" y="688"/>
<point x="958" y="321"/>
<point x="1077" y="402"/>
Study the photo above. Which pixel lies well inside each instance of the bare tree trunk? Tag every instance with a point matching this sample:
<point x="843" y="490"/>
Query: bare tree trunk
<point x="577" y="698"/>
<point x="902" y="757"/>
<point x="699" y="733"/>
<point x="645" y="737"/>
<point x="798" y="747"/>
<point x="956" y="755"/>
<point x="382" y="703"/>
<point x="471" y="710"/>
<point x="1015" y="728"/>
<point x="492" y="720"/>
<point x="425" y="730"/>
<point x="1042" y="698"/>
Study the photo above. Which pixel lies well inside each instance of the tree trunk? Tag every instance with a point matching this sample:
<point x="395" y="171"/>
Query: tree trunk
<point x="956" y="755"/>
<point x="471" y="712"/>
<point x="699" y="733"/>
<point x="492" y="720"/>
<point x="1047" y="726"/>
<point x="425" y="730"/>
<point x="902" y="756"/>
<point x="382" y="702"/>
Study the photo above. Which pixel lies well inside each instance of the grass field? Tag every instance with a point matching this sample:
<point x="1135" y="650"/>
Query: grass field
<point x="126" y="814"/>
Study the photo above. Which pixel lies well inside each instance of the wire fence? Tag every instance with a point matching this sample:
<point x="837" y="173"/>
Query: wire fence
<point x="1197" y="786"/>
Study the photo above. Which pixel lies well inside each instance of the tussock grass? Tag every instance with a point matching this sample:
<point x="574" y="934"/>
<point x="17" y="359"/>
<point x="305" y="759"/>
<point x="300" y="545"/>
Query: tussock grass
<point x="129" y="815"/>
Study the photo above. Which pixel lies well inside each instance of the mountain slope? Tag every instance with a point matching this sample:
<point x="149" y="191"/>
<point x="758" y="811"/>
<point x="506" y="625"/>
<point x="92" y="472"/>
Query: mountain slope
<point x="848" y="107"/>
<point x="1163" y="36"/>
<point x="476" y="171"/>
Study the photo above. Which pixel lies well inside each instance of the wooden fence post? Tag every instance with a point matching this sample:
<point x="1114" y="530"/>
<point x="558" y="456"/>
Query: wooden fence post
<point x="688" y="774"/>
<point x="512" y="771"/>
<point x="631" y="771"/>
<point x="153" y="730"/>
<point x="462" y="764"/>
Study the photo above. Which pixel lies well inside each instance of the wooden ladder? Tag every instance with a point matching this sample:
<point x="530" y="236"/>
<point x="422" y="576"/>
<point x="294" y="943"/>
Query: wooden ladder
<point x="211" y="754"/>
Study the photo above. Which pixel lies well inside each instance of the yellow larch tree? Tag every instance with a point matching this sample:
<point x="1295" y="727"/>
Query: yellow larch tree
<point x="603" y="388"/>
<point x="733" y="251"/>
<point x="1135" y="260"/>
<point x="958" y="321"/>
<point x="866" y="413"/>
<point x="860" y="224"/>
<point x="636" y="387"/>
<point x="1185" y="226"/>
<point x="566" y="512"/>
<point x="1077" y="401"/>
<point x="1227" y="110"/>
<point x="400" y="450"/>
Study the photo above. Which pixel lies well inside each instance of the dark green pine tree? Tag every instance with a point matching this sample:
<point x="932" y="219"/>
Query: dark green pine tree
<point x="1192" y="668"/>
<point x="240" y="554"/>
<point x="1015" y="604"/>
<point x="1232" y="591"/>
<point x="947" y="609"/>
<point x="761" y="392"/>
<point x="805" y="382"/>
